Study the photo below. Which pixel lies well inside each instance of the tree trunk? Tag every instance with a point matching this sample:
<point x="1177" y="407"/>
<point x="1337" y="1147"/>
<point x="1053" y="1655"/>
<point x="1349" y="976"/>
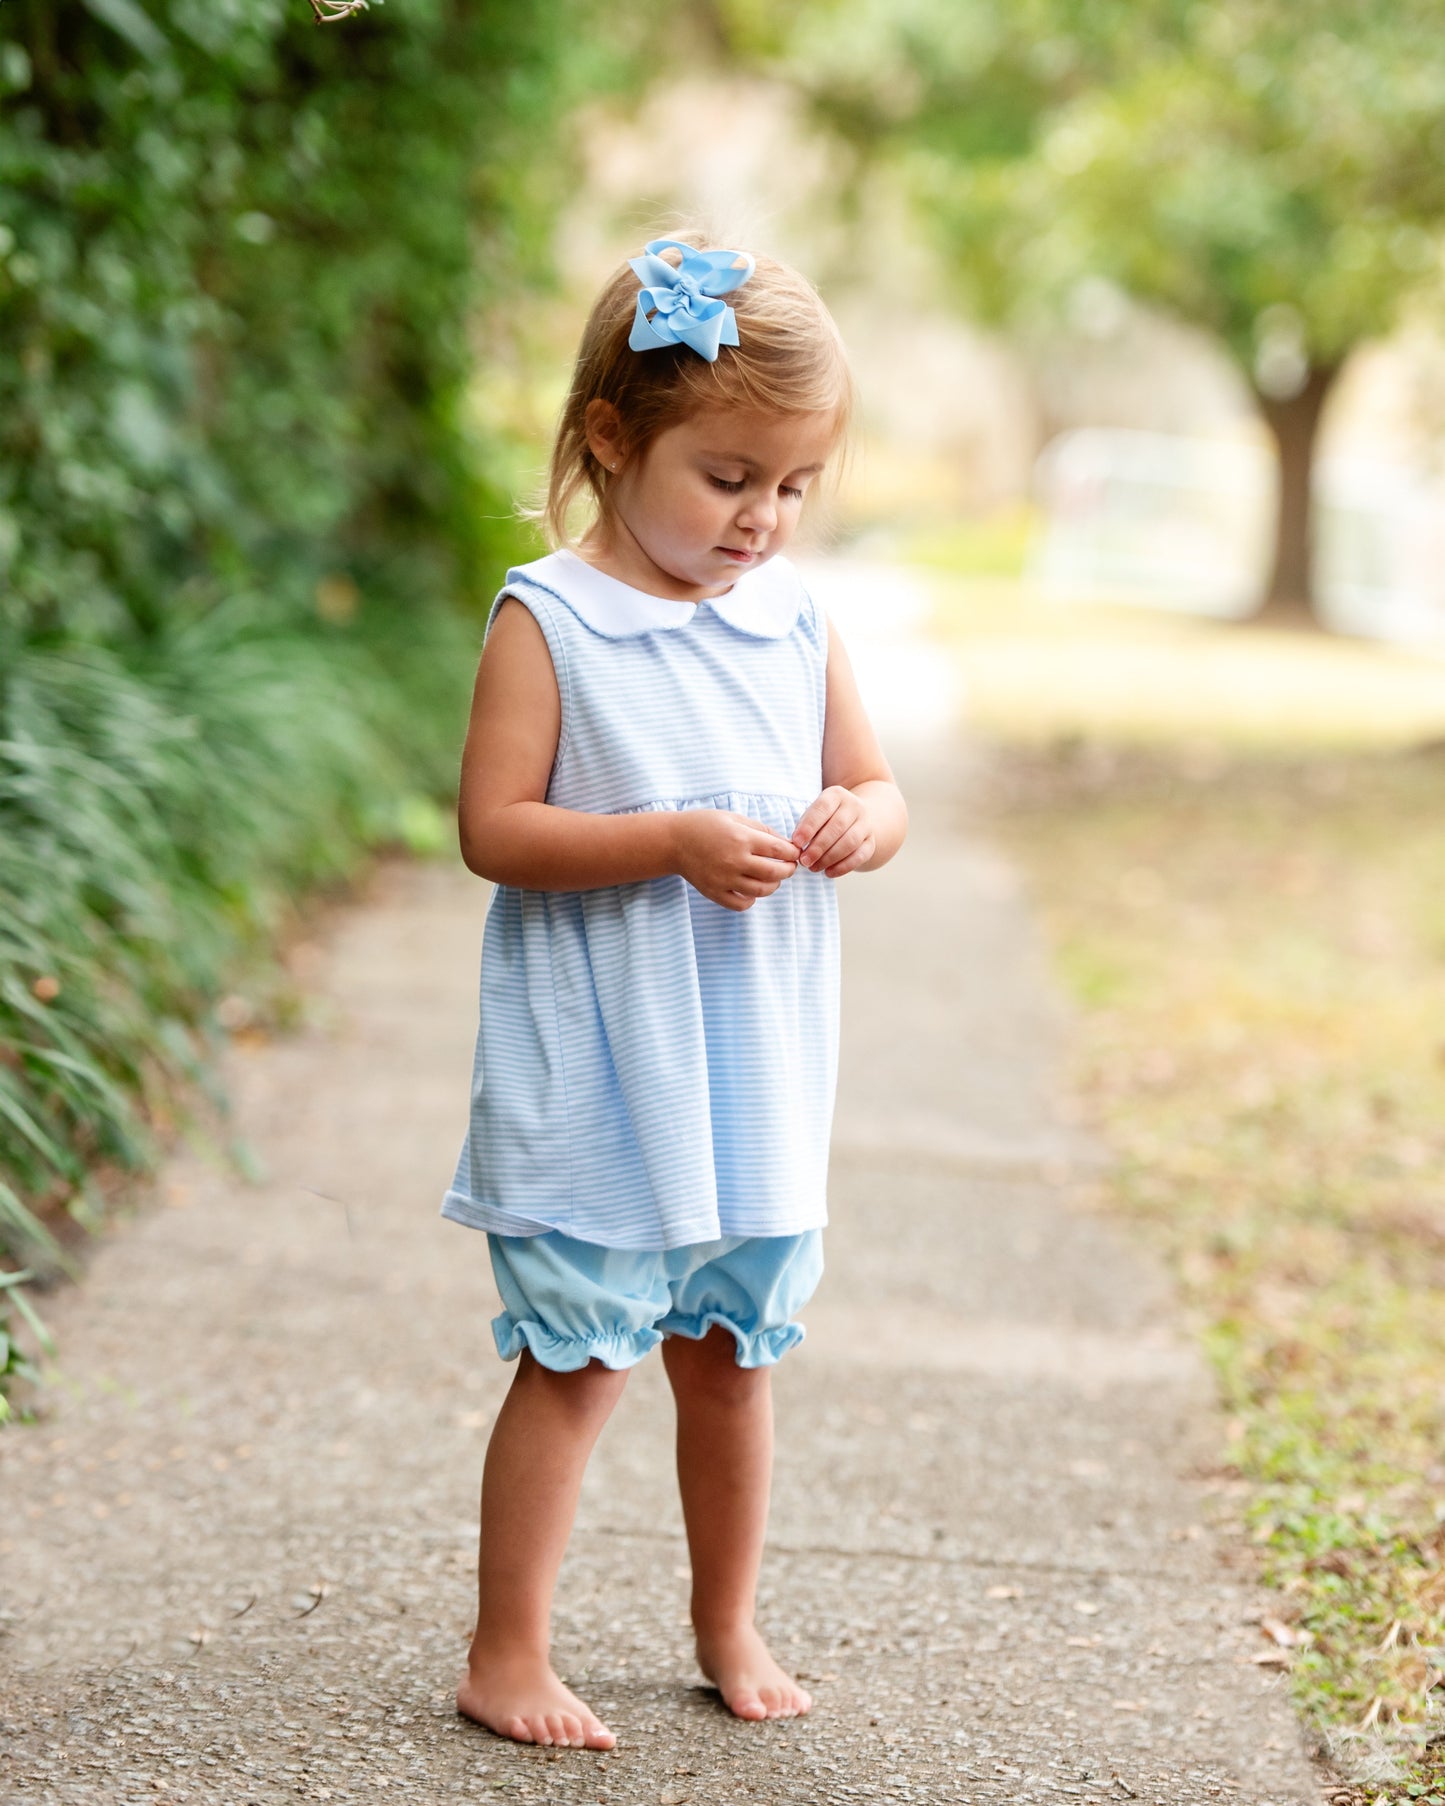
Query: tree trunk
<point x="1294" y="421"/>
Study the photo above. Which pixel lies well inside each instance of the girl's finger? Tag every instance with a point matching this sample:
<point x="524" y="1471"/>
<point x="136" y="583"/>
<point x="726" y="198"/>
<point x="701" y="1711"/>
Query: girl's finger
<point x="763" y="828"/>
<point x="827" y="844"/>
<point x="760" y="865"/>
<point x="821" y="838"/>
<point x="749" y="884"/>
<point x="843" y="847"/>
<point x="776" y="847"/>
<point x="811" y="820"/>
<point x="851" y="861"/>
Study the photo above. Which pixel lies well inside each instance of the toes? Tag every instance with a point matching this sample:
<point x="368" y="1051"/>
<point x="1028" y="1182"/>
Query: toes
<point x="517" y="1729"/>
<point x="596" y="1735"/>
<point x="571" y="1731"/>
<point x="747" y="1705"/>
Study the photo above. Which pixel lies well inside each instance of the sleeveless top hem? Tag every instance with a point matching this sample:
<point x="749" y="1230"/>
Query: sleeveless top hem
<point x="458" y="1207"/>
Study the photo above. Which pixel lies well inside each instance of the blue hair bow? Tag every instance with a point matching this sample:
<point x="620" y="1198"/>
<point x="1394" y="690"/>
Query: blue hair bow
<point x="684" y="300"/>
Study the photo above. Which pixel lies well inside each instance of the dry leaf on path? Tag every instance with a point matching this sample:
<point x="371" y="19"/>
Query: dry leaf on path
<point x="318" y="1593"/>
<point x="1431" y="1590"/>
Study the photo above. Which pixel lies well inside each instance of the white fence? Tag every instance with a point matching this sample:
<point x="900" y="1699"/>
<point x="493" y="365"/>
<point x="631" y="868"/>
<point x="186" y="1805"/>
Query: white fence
<point x="1187" y="524"/>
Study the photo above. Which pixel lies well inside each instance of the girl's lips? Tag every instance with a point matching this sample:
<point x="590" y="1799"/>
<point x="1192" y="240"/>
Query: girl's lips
<point x="739" y="557"/>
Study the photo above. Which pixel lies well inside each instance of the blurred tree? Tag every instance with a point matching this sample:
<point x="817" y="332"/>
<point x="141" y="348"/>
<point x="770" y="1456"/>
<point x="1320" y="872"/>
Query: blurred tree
<point x="1270" y="170"/>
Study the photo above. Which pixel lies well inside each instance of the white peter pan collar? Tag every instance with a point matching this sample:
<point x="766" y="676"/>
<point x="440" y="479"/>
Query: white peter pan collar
<point x="763" y="603"/>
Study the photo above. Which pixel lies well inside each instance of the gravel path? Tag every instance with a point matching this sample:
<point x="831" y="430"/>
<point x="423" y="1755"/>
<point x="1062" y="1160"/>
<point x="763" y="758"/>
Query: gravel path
<point x="238" y="1551"/>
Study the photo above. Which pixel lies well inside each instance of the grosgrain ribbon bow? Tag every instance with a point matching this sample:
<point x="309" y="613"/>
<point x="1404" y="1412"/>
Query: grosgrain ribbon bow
<point x="683" y="301"/>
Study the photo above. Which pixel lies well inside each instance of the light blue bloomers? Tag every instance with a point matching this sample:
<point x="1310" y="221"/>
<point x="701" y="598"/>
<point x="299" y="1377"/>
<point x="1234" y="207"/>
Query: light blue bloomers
<point x="570" y="1301"/>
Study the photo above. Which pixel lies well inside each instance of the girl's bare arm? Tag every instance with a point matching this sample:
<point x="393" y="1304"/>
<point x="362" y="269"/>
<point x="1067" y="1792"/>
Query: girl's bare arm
<point x="512" y="835"/>
<point x="859" y="820"/>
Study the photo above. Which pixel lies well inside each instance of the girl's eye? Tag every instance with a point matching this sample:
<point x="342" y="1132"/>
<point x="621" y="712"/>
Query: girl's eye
<point x="735" y="488"/>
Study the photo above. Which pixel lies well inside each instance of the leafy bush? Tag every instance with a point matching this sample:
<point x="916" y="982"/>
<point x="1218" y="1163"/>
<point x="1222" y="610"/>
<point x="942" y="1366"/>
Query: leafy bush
<point x="239" y="259"/>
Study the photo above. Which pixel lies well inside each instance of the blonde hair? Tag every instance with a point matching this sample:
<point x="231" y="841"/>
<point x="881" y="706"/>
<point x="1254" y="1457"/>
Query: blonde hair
<point x="789" y="360"/>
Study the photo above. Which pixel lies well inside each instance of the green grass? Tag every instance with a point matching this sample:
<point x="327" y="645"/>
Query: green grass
<point x="1258" y="958"/>
<point x="1236" y="843"/>
<point x="994" y="545"/>
<point x="1039" y="671"/>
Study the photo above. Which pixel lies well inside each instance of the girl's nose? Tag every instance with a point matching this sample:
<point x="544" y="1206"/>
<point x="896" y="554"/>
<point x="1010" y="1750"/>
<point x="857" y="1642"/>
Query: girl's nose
<point x="759" y="514"/>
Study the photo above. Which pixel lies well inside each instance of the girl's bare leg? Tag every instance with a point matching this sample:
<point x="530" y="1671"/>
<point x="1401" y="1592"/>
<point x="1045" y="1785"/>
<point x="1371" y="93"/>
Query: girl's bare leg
<point x="724" y="1470"/>
<point x="543" y="1435"/>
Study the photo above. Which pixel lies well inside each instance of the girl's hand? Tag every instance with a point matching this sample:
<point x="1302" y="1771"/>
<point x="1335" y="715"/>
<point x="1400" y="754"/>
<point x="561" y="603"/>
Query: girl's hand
<point x="834" y="834"/>
<point x="731" y="859"/>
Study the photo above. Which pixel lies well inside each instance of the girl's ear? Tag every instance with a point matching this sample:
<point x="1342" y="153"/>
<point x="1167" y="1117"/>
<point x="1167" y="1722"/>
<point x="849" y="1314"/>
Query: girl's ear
<point x="605" y="438"/>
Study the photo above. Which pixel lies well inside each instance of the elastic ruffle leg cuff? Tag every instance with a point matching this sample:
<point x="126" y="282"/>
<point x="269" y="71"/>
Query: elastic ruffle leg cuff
<point x="566" y="1354"/>
<point x="756" y="1347"/>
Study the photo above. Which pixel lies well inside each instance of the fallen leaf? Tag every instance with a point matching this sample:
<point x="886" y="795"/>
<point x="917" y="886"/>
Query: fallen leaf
<point x="318" y="1593"/>
<point x="1431" y="1590"/>
<point x="1336" y="1562"/>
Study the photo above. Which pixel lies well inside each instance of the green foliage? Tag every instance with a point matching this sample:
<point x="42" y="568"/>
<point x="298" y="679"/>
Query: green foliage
<point x="237" y="279"/>
<point x="1222" y="161"/>
<point x="161" y="805"/>
<point x="240" y="260"/>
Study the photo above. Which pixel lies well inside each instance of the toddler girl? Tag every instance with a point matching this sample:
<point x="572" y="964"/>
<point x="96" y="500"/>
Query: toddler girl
<point x="666" y="770"/>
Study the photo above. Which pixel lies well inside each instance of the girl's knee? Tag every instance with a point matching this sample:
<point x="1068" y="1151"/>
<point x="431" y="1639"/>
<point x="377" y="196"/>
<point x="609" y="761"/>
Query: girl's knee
<point x="709" y="1367"/>
<point x="594" y="1387"/>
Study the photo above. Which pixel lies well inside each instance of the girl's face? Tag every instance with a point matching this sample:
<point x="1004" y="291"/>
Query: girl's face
<point x="718" y="494"/>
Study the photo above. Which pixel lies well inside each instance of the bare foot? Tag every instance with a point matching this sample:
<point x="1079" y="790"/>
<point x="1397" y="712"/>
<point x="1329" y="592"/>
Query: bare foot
<point x="750" y="1681"/>
<point x="522" y="1698"/>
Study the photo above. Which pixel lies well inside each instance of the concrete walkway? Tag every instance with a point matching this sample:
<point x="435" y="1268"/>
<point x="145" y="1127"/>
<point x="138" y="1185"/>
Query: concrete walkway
<point x="238" y="1553"/>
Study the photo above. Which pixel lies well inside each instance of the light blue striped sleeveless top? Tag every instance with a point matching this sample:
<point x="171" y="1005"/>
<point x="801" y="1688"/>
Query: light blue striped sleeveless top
<point x="651" y="1068"/>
